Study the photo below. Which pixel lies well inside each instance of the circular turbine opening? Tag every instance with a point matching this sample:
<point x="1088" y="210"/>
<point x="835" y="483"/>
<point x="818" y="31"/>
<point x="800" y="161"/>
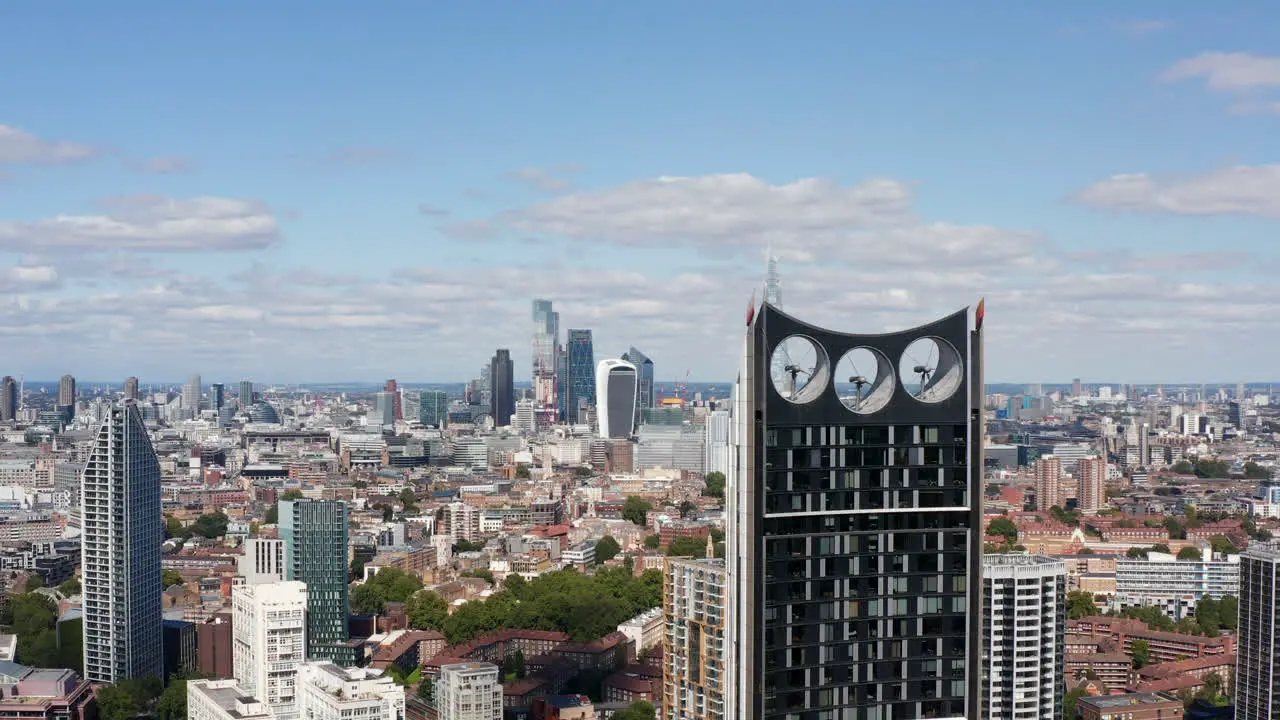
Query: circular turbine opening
<point x="864" y="380"/>
<point x="931" y="369"/>
<point x="799" y="369"/>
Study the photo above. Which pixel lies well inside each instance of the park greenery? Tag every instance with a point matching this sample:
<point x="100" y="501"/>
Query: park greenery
<point x="607" y="549"/>
<point x="641" y="710"/>
<point x="33" y="618"/>
<point x="636" y="509"/>
<point x="389" y="584"/>
<point x="714" y="485"/>
<point x="584" y="606"/>
<point x="209" y="525"/>
<point x="169" y="578"/>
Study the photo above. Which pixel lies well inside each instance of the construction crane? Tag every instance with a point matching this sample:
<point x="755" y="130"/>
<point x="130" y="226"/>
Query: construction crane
<point x="683" y="387"/>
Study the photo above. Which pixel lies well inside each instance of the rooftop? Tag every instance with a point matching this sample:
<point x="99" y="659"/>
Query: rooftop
<point x="1110" y="702"/>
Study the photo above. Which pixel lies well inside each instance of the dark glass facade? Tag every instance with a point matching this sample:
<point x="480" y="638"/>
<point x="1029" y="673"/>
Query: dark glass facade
<point x="581" y="367"/>
<point x="315" y="537"/>
<point x="502" y="389"/>
<point x="855" y="538"/>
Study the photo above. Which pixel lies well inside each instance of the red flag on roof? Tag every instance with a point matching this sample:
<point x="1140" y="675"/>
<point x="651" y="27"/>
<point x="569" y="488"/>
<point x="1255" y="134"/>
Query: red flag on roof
<point x="981" y="313"/>
<point x="751" y="309"/>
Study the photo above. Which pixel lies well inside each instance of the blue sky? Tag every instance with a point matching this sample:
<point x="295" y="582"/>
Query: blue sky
<point x="333" y="191"/>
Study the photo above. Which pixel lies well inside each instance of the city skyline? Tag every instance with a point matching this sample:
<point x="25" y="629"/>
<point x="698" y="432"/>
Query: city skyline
<point x="644" y="206"/>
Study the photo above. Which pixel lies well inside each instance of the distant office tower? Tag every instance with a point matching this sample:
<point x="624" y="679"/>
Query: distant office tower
<point x="855" y="522"/>
<point x="131" y="388"/>
<point x="67" y="397"/>
<point x="695" y="602"/>
<point x="329" y="692"/>
<point x="222" y="700"/>
<point x="246" y="393"/>
<point x="269" y="627"/>
<point x="526" y="416"/>
<point x="469" y="691"/>
<point x="581" y="366"/>
<point x="1048" y="482"/>
<point x="1257" y="661"/>
<point x="502" y="389"/>
<point x="315" y="542"/>
<point x="645" y="397"/>
<point x="546" y="348"/>
<point x="562" y="384"/>
<point x="262" y="561"/>
<point x="191" y="393"/>
<point x="1024" y="637"/>
<point x="217" y="396"/>
<point x="394" y="388"/>
<point x="433" y="408"/>
<point x="1239" y="391"/>
<point x="1076" y="389"/>
<point x="8" y="399"/>
<point x="616" y="394"/>
<point x="718" y="441"/>
<point x="384" y="410"/>
<point x="1092" y="494"/>
<point x="121" y="536"/>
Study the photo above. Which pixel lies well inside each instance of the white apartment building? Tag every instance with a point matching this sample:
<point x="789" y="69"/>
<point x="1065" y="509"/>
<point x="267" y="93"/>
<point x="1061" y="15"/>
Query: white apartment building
<point x="469" y="691"/>
<point x="1174" y="586"/>
<point x="269" y="642"/>
<point x="1024" y="601"/>
<point x="222" y="700"/>
<point x="463" y="521"/>
<point x="329" y="692"/>
<point x="644" y="630"/>
<point x="263" y="561"/>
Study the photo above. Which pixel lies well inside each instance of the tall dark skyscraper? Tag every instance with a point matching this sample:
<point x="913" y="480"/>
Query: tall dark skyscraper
<point x="131" y="388"/>
<point x="562" y="383"/>
<point x="8" y="399"/>
<point x="645" y="397"/>
<point x="855" y="523"/>
<point x="502" y="388"/>
<point x="67" y="397"/>
<point x="315" y="546"/>
<point x="1257" y="660"/>
<point x="120" y="551"/>
<point x="393" y="387"/>
<point x="580" y="364"/>
<point x="217" y="396"/>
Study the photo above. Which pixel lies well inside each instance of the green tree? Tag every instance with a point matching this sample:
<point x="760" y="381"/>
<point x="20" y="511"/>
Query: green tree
<point x="713" y="484"/>
<point x="461" y="546"/>
<point x="1254" y="471"/>
<point x="1161" y="548"/>
<point x="1208" y="616"/>
<point x="684" y="546"/>
<point x="169" y="578"/>
<point x="389" y="584"/>
<point x="115" y="703"/>
<point x="1176" y="530"/>
<point x="70" y="587"/>
<point x="427" y="691"/>
<point x="1229" y="612"/>
<point x="273" y="515"/>
<point x="607" y="549"/>
<point x="407" y="497"/>
<point x="1209" y="468"/>
<point x="641" y="710"/>
<point x="35" y="581"/>
<point x="652" y="541"/>
<point x="1080" y="604"/>
<point x="292" y="495"/>
<point x="517" y="585"/>
<point x="1069" y="702"/>
<point x="1184" y="467"/>
<point x="210" y="525"/>
<point x="174" y="528"/>
<point x="517" y="664"/>
<point x="1189" y="552"/>
<point x="1141" y="652"/>
<point x="172" y="704"/>
<point x="1005" y="528"/>
<point x="688" y="509"/>
<point x="522" y="471"/>
<point x="1136" y="552"/>
<point x="636" y="509"/>
<point x="426" y="610"/>
<point x="481" y="573"/>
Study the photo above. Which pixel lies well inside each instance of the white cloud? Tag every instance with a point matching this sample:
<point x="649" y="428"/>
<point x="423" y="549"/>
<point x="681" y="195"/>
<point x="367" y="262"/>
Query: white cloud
<point x="150" y="223"/>
<point x="19" y="146"/>
<point x="1227" y="72"/>
<point x="28" y="278"/>
<point x="1240" y="190"/>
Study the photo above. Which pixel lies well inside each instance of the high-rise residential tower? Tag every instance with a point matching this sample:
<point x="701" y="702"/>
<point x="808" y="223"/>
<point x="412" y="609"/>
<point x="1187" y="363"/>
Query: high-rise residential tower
<point x="581" y="366"/>
<point x="315" y="546"/>
<point x="1024" y="628"/>
<point x="695" y="603"/>
<point x="855" y="522"/>
<point x="67" y="396"/>
<point x="121" y="536"/>
<point x="546" y="348"/>
<point x="191" y="393"/>
<point x="8" y="399"/>
<point x="616" y="391"/>
<point x="469" y="691"/>
<point x="1257" y="655"/>
<point x="269" y="629"/>
<point x="131" y="388"/>
<point x="246" y="393"/>
<point x="502" y="389"/>
<point x="1092" y="493"/>
<point x="1048" y="482"/>
<point x="393" y="387"/>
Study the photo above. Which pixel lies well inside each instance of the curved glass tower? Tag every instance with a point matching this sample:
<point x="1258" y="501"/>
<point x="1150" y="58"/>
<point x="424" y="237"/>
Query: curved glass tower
<point x="617" y="384"/>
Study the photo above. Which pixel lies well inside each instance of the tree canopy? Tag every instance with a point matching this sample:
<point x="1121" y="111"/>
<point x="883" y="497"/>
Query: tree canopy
<point x="292" y="495"/>
<point x="1189" y="552"/>
<point x="1004" y="527"/>
<point x="427" y="610"/>
<point x="685" y="546"/>
<point x="585" y="607"/>
<point x="1254" y="471"/>
<point x="607" y="549"/>
<point x="714" y="484"/>
<point x="1141" y="652"/>
<point x="210" y="525"/>
<point x="169" y="578"/>
<point x="636" y="509"/>
<point x="641" y="710"/>
<point x="389" y="584"/>
<point x="1223" y="544"/>
<point x="1080" y="604"/>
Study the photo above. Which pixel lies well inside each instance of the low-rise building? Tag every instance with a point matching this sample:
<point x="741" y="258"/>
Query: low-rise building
<point x="222" y="700"/>
<point x="644" y="630"/>
<point x="46" y="695"/>
<point x="328" y="692"/>
<point x="469" y="691"/>
<point x="1131" y="706"/>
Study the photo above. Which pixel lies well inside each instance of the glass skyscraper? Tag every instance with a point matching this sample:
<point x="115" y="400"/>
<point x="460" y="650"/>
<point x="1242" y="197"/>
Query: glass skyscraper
<point x="120" y="552"/>
<point x="502" y="391"/>
<point x="433" y="408"/>
<point x="315" y="542"/>
<point x="581" y="367"/>
<point x="855" y="523"/>
<point x="645" y="397"/>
